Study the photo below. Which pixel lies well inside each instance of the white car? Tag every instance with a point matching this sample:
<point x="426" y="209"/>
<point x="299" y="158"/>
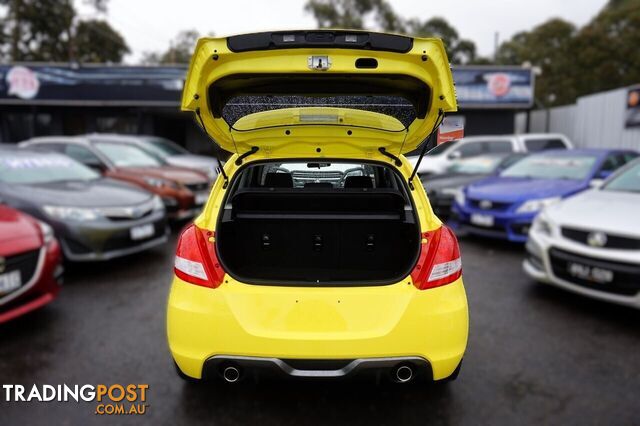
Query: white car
<point x="590" y="243"/>
<point x="440" y="158"/>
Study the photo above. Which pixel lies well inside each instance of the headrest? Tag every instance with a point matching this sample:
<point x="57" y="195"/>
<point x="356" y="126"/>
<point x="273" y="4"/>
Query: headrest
<point x="278" y="180"/>
<point x="358" y="182"/>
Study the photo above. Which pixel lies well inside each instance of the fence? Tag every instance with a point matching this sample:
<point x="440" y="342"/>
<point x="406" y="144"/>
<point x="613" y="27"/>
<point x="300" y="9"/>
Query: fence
<point x="595" y="121"/>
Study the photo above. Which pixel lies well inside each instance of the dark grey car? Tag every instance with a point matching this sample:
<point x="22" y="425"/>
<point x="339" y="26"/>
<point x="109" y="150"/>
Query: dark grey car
<point x="441" y="189"/>
<point x="94" y="218"/>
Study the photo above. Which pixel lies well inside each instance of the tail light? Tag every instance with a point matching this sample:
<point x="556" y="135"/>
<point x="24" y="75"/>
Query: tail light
<point x="439" y="262"/>
<point x="196" y="259"/>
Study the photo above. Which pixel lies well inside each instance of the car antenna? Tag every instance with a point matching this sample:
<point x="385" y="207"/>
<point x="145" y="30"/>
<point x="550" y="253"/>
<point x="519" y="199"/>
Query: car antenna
<point x="425" y="143"/>
<point x="204" y="129"/>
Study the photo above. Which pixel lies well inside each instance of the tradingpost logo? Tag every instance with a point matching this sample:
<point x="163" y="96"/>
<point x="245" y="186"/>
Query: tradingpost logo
<point x="110" y="400"/>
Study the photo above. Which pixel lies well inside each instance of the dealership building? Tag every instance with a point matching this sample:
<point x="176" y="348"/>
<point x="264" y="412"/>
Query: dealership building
<point x="68" y="99"/>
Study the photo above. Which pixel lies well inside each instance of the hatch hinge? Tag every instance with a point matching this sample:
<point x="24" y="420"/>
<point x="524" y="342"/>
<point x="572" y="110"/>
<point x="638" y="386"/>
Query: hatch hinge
<point x="253" y="150"/>
<point x="220" y="166"/>
<point x="386" y="153"/>
<point x="425" y="144"/>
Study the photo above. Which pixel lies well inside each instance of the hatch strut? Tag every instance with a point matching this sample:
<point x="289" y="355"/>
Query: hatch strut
<point x="253" y="150"/>
<point x="437" y="124"/>
<point x="204" y="129"/>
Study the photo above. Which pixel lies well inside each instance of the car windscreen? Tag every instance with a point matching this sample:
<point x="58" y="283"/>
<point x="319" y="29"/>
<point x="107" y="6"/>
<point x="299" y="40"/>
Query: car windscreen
<point x="476" y="165"/>
<point x="22" y="168"/>
<point x="627" y="181"/>
<point x="440" y="149"/>
<point x="571" y="167"/>
<point x="324" y="174"/>
<point x="164" y="147"/>
<point x="123" y="155"/>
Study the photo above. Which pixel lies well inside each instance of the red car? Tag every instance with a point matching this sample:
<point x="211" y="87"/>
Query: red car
<point x="30" y="268"/>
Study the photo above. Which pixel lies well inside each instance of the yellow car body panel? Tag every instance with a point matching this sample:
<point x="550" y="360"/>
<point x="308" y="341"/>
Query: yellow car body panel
<point x="317" y="323"/>
<point x="426" y="61"/>
<point x="291" y="322"/>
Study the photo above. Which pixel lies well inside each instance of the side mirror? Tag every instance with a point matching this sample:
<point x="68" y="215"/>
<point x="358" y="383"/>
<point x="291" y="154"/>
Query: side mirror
<point x="455" y="155"/>
<point x="596" y="183"/>
<point x="98" y="167"/>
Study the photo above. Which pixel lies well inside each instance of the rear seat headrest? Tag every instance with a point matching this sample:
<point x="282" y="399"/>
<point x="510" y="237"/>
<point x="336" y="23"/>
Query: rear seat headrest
<point x="358" y="182"/>
<point x="278" y="180"/>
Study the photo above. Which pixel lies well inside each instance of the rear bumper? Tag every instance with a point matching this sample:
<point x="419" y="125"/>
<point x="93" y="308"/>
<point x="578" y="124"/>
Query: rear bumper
<point x="292" y="323"/>
<point x="214" y="368"/>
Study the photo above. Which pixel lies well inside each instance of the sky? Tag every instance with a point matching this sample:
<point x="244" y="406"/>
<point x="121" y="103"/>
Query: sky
<point x="149" y="25"/>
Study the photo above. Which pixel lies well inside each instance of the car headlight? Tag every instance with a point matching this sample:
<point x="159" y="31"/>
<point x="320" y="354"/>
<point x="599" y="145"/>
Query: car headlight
<point x="532" y="206"/>
<point x="459" y="196"/>
<point x="157" y="203"/>
<point x="159" y="183"/>
<point x="542" y="225"/>
<point x="47" y="232"/>
<point x="72" y="213"/>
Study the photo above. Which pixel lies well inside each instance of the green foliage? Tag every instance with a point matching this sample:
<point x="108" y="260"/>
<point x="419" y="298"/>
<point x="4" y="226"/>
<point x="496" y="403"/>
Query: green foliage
<point x="96" y="41"/>
<point x="49" y="30"/>
<point x="603" y="55"/>
<point x="354" y="14"/>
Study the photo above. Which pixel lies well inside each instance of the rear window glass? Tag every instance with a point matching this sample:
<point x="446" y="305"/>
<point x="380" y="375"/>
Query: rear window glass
<point x="318" y="175"/>
<point x="542" y="144"/>
<point x="26" y="169"/>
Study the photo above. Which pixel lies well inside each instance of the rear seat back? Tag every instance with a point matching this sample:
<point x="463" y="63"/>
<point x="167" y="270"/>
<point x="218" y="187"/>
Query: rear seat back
<point x="278" y="180"/>
<point x="358" y="182"/>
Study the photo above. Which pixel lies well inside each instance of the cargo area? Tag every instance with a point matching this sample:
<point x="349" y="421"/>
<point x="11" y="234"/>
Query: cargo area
<point x="318" y="223"/>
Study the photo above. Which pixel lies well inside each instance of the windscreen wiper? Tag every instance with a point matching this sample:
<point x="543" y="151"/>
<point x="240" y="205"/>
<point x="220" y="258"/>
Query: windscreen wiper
<point x="220" y="167"/>
<point x="425" y="144"/>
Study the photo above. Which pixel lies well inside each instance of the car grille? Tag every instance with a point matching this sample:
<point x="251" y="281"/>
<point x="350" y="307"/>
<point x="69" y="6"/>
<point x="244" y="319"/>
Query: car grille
<point x="495" y="206"/>
<point x="612" y="241"/>
<point x="127" y="212"/>
<point x="626" y="276"/>
<point x="25" y="262"/>
<point x="196" y="187"/>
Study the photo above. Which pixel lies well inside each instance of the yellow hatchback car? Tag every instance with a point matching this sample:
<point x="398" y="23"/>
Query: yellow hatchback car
<point x="318" y="254"/>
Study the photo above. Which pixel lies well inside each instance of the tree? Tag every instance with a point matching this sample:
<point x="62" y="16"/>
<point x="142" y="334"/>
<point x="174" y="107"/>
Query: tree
<point x="550" y="48"/>
<point x="354" y="14"/>
<point x="49" y="30"/>
<point x="96" y="41"/>
<point x="179" y="51"/>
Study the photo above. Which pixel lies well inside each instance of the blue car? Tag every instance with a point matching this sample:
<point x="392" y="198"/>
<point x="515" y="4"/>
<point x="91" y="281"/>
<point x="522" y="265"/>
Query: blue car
<point x="504" y="206"/>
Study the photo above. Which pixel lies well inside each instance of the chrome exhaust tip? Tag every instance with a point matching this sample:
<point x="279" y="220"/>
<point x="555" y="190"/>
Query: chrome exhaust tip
<point x="231" y="374"/>
<point x="404" y="374"/>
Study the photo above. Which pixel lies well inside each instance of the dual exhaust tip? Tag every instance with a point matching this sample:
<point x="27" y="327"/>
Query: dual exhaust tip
<point x="402" y="374"/>
<point x="231" y="374"/>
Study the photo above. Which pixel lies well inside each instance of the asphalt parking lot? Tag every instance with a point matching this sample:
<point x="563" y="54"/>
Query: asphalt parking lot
<point x="535" y="355"/>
